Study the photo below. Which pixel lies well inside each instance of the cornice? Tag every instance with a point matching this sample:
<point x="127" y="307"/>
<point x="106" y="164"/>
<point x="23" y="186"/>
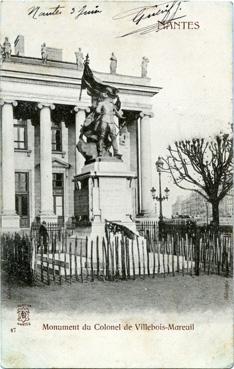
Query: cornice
<point x="128" y="85"/>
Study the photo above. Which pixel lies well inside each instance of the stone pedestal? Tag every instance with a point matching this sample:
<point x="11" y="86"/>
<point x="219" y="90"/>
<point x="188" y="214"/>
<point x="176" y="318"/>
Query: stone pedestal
<point x="103" y="191"/>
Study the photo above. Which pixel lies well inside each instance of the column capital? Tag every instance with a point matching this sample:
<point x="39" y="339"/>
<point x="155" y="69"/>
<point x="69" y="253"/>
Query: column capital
<point x="149" y="114"/>
<point x="42" y="105"/>
<point x="81" y="108"/>
<point x="8" y="101"/>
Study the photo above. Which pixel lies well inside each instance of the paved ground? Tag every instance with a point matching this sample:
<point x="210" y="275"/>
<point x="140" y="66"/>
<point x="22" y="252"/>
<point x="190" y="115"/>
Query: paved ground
<point x="204" y="301"/>
<point x="177" y="293"/>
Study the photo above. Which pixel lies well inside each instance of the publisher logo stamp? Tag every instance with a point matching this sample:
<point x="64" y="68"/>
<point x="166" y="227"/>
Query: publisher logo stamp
<point x="23" y="312"/>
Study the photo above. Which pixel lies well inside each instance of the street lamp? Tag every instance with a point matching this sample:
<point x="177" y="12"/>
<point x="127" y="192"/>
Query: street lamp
<point x="153" y="193"/>
<point x="160" y="198"/>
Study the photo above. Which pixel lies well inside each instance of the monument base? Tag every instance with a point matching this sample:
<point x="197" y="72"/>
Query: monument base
<point x="104" y="196"/>
<point x="104" y="191"/>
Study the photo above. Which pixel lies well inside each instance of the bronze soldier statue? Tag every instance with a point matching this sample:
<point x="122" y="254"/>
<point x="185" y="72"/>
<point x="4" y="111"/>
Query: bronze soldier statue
<point x="107" y="126"/>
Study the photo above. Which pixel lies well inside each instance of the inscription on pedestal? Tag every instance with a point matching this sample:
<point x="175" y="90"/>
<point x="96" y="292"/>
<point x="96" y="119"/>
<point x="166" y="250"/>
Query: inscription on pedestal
<point x="114" y="198"/>
<point x="81" y="202"/>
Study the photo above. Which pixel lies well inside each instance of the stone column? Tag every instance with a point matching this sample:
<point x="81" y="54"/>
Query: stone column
<point x="46" y="212"/>
<point x="79" y="120"/>
<point x="8" y="218"/>
<point x="146" y="164"/>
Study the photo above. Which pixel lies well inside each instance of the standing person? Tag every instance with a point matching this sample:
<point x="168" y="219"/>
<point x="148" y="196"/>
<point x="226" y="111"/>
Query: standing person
<point x="44" y="236"/>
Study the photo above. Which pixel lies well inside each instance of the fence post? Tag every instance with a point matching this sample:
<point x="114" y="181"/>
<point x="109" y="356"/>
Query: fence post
<point x="70" y="263"/>
<point x="97" y="255"/>
<point x="86" y="257"/>
<point x="48" y="264"/>
<point x="133" y="261"/>
<point x="138" y="253"/>
<point x="108" y="258"/>
<point x="42" y="258"/>
<point x="112" y="249"/>
<point x="127" y="257"/>
<point x="91" y="261"/>
<point x="53" y="243"/>
<point x="65" y="258"/>
<point x="143" y="257"/>
<point x="81" y="260"/>
<point x="123" y="258"/>
<point x="29" y="260"/>
<point x="34" y="259"/>
<point x="148" y="249"/>
<point x="75" y="259"/>
<point x="103" y="258"/>
<point x="59" y="264"/>
<point x="197" y="252"/>
<point x="117" y="255"/>
<point x="153" y="260"/>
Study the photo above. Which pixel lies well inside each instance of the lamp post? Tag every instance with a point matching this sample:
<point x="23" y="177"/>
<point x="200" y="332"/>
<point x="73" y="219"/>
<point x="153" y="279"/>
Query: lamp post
<point x="160" y="198"/>
<point x="153" y="193"/>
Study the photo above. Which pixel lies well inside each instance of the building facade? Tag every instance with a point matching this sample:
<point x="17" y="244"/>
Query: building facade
<point x="197" y="207"/>
<point x="41" y="117"/>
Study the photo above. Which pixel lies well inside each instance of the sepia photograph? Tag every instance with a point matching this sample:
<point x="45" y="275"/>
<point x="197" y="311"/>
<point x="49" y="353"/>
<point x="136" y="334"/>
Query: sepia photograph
<point x="116" y="184"/>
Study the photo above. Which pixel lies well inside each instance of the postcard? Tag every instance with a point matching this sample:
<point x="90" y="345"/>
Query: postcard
<point x="116" y="184"/>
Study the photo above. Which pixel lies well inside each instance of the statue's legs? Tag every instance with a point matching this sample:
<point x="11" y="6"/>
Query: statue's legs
<point x="103" y="132"/>
<point x="113" y="136"/>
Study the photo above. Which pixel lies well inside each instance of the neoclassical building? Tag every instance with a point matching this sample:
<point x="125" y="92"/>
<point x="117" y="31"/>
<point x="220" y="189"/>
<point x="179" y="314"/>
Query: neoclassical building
<point x="41" y="117"/>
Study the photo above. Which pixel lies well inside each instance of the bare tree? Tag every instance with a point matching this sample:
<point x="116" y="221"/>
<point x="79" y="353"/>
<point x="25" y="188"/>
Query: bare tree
<point x="204" y="166"/>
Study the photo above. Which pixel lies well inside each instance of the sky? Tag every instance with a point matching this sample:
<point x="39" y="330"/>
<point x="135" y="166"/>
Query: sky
<point x="193" y="66"/>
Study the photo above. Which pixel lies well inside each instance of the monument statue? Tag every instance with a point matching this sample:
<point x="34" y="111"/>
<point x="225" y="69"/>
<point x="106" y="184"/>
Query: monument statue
<point x="79" y="59"/>
<point x="105" y="185"/>
<point x="44" y="54"/>
<point x="144" y="66"/>
<point x="107" y="127"/>
<point x="6" y="49"/>
<point x="99" y="131"/>
<point x="113" y="64"/>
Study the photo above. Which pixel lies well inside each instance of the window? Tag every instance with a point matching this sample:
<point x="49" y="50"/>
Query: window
<point x="22" y="198"/>
<point x="58" y="205"/>
<point x="21" y="182"/>
<point x="58" y="189"/>
<point x="57" y="182"/>
<point x="20" y="134"/>
<point x="56" y="136"/>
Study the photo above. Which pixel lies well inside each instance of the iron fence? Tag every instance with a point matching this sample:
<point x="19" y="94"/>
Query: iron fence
<point x="148" y="229"/>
